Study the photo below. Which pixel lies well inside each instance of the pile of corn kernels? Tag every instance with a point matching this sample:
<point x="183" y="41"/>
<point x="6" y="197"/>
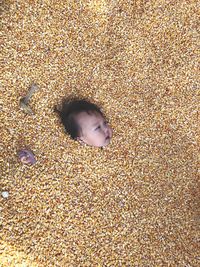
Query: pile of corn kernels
<point x="134" y="203"/>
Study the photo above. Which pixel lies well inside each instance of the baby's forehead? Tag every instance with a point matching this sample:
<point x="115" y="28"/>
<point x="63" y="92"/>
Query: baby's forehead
<point x="88" y="117"/>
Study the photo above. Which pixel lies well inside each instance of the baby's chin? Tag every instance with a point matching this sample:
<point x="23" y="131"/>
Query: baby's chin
<point x="107" y="142"/>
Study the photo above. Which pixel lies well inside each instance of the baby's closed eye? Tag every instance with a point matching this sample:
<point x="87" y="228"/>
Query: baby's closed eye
<point x="97" y="128"/>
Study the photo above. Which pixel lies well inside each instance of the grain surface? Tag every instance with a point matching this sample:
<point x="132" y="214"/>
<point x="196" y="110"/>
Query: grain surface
<point x="136" y="202"/>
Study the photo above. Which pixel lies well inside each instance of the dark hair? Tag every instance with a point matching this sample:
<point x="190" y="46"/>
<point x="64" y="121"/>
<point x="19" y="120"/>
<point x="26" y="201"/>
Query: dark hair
<point x="72" y="107"/>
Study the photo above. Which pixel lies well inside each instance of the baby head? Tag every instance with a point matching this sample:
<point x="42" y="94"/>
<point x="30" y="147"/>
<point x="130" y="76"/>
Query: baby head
<point x="85" y="122"/>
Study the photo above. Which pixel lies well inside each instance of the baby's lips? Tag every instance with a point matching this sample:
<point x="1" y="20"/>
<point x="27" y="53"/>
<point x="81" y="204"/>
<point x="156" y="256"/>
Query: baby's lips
<point x="26" y="156"/>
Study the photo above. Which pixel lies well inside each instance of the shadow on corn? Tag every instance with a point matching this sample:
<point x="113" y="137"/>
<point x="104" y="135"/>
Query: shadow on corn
<point x="10" y="256"/>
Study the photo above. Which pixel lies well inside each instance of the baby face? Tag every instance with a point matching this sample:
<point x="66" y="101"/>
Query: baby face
<point x="94" y="129"/>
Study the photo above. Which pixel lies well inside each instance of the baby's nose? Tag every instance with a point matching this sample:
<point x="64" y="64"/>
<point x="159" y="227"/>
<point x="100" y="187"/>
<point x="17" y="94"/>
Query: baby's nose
<point x="106" y="130"/>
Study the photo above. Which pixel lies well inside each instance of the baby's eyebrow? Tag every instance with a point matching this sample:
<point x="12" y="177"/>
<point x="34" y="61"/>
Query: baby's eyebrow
<point x="96" y="124"/>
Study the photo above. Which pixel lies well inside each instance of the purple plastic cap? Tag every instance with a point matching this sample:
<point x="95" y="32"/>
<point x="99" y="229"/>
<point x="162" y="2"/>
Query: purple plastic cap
<point x="26" y="156"/>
